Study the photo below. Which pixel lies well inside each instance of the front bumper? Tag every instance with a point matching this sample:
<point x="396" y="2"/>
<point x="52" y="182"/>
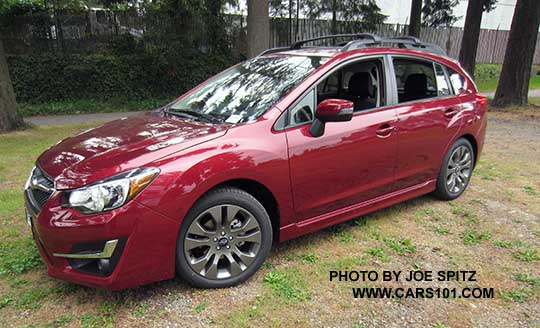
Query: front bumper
<point x="144" y="252"/>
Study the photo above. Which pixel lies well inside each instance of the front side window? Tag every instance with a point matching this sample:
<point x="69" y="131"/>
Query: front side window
<point x="245" y="92"/>
<point x="415" y="79"/>
<point x="361" y="82"/>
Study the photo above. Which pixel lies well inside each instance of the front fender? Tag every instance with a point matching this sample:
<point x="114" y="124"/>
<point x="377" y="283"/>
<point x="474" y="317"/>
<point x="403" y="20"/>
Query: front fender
<point x="186" y="177"/>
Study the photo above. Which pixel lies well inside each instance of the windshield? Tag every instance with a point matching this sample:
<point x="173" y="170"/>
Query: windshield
<point x="246" y="91"/>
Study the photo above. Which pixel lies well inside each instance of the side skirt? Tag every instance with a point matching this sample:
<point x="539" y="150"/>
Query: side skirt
<point x="353" y="211"/>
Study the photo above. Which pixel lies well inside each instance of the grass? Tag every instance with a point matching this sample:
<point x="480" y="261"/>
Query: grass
<point x="485" y="230"/>
<point x="287" y="285"/>
<point x="473" y="237"/>
<point x="515" y="295"/>
<point x="309" y="258"/>
<point x="486" y="77"/>
<point x="201" y="306"/>
<point x="442" y="230"/>
<point x="18" y="256"/>
<point x="401" y="247"/>
<point x="528" y="279"/>
<point x="528" y="255"/>
<point x="378" y="252"/>
<point x="81" y="106"/>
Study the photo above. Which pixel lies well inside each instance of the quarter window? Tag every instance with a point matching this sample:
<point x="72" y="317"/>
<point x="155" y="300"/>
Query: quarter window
<point x="303" y="111"/>
<point x="457" y="81"/>
<point x="415" y="80"/>
<point x="442" y="83"/>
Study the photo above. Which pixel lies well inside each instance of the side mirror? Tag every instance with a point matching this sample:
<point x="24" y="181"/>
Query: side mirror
<point x="331" y="110"/>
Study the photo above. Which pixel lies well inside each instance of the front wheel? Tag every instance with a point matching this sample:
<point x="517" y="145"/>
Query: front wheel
<point x="224" y="239"/>
<point x="456" y="170"/>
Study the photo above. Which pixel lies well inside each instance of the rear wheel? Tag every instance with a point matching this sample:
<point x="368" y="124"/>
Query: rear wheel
<point x="224" y="239"/>
<point x="456" y="171"/>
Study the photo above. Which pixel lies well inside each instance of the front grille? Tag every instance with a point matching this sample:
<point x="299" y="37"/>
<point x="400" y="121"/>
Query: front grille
<point x="40" y="190"/>
<point x="41" y="197"/>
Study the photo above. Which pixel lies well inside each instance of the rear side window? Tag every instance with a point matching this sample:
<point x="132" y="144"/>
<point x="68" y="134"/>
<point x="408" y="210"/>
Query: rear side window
<point x="457" y="81"/>
<point x="442" y="84"/>
<point x="415" y="79"/>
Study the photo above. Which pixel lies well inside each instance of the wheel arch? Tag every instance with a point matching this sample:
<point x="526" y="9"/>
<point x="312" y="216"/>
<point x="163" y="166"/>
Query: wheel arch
<point x="470" y="138"/>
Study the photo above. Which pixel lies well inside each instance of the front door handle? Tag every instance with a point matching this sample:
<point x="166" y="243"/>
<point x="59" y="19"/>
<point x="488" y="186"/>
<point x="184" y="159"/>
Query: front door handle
<point x="451" y="112"/>
<point x="385" y="130"/>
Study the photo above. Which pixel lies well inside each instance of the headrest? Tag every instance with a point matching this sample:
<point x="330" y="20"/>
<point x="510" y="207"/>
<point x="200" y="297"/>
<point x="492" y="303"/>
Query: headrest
<point x="360" y="85"/>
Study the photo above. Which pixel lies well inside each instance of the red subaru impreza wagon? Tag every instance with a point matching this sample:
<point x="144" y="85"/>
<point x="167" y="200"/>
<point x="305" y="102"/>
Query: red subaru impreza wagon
<point x="289" y="142"/>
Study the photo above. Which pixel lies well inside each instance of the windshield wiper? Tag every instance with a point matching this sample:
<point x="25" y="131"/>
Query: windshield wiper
<point x="193" y="114"/>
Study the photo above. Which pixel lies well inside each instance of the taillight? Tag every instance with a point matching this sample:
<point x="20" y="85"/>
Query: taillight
<point x="481" y="100"/>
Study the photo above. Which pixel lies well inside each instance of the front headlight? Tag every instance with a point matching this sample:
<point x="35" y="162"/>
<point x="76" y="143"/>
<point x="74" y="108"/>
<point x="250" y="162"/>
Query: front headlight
<point x="112" y="192"/>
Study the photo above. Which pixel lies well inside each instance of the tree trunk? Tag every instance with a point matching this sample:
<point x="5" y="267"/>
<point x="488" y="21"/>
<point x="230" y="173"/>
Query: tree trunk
<point x="290" y="21"/>
<point x="416" y="18"/>
<point x="513" y="85"/>
<point x="258" y="27"/>
<point x="9" y="117"/>
<point x="471" y="33"/>
<point x="333" y="27"/>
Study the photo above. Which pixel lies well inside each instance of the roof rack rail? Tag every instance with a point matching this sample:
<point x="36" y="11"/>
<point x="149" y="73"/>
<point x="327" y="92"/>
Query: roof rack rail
<point x="408" y="42"/>
<point x="366" y="40"/>
<point x="373" y="37"/>
<point x="298" y="44"/>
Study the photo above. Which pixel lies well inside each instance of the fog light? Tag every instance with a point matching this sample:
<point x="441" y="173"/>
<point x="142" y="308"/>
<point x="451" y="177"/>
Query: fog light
<point x="104" y="266"/>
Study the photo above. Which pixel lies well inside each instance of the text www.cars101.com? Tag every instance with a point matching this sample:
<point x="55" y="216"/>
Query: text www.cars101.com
<point x="419" y="292"/>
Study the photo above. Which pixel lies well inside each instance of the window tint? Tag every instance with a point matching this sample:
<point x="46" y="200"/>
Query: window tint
<point x="442" y="84"/>
<point x="415" y="79"/>
<point x="457" y="81"/>
<point x="303" y="111"/>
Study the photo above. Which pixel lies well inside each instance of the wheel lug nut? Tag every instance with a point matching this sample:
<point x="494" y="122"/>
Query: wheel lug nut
<point x="215" y="239"/>
<point x="228" y="246"/>
<point x="223" y="233"/>
<point x="230" y="238"/>
<point x="218" y="248"/>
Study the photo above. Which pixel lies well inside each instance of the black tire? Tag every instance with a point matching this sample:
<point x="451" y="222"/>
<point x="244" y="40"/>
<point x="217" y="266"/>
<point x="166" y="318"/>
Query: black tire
<point x="442" y="190"/>
<point x="224" y="196"/>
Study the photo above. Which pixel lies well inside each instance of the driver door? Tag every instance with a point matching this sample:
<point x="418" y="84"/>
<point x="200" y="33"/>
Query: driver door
<point x="350" y="163"/>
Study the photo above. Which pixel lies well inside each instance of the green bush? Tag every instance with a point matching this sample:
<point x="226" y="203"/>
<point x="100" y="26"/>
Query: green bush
<point x="155" y="72"/>
<point x="486" y="72"/>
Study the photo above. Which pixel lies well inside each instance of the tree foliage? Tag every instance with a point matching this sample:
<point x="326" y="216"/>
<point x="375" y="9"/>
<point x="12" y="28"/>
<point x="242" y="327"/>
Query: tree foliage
<point x="365" y="14"/>
<point x="489" y="5"/>
<point x="439" y="13"/>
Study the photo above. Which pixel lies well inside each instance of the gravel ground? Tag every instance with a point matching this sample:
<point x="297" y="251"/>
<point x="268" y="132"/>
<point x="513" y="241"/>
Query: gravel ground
<point x="501" y="205"/>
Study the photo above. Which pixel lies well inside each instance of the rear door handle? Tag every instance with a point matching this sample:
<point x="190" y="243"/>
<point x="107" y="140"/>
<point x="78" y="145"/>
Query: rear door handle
<point x="451" y="112"/>
<point x="385" y="130"/>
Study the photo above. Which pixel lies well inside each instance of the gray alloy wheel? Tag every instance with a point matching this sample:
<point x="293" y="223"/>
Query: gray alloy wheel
<point x="222" y="242"/>
<point x="459" y="169"/>
<point x="224" y="239"/>
<point x="456" y="170"/>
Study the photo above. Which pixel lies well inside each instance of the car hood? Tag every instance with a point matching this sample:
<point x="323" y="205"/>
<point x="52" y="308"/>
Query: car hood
<point x="121" y="145"/>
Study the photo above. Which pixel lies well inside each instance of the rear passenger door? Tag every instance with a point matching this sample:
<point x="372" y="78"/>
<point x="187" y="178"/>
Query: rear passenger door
<point x="428" y="118"/>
